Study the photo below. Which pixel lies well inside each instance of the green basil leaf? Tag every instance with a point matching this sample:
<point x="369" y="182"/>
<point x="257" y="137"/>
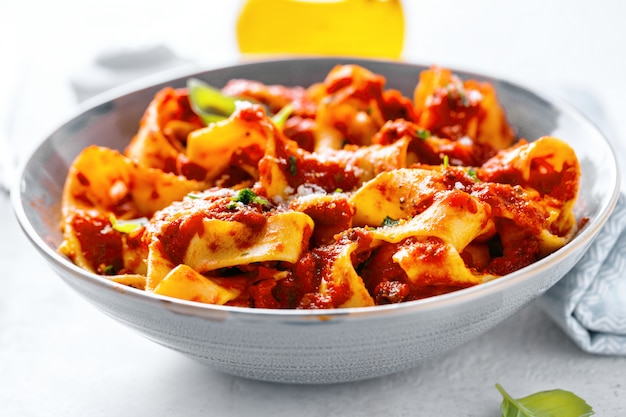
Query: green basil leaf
<point x="127" y="226"/>
<point x="553" y="403"/>
<point x="209" y="102"/>
<point x="213" y="106"/>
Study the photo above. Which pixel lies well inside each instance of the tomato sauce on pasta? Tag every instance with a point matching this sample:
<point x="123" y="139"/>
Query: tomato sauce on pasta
<point x="339" y="194"/>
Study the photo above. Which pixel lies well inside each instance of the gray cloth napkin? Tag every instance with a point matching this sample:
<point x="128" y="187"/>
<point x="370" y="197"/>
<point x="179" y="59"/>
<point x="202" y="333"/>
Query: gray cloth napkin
<point x="589" y="303"/>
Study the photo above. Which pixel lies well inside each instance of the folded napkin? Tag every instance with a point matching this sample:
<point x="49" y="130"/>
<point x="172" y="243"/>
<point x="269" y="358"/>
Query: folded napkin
<point x="589" y="303"/>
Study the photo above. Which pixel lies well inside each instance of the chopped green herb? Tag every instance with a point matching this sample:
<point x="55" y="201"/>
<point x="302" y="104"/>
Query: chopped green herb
<point x="388" y="221"/>
<point x="109" y="270"/>
<point x="246" y="196"/>
<point x="473" y="175"/>
<point x="457" y="91"/>
<point x="194" y="196"/>
<point x="338" y="190"/>
<point x="127" y="226"/>
<point x="293" y="166"/>
<point x="553" y="403"/>
<point x="446" y="161"/>
<point x="464" y="98"/>
<point x="422" y="134"/>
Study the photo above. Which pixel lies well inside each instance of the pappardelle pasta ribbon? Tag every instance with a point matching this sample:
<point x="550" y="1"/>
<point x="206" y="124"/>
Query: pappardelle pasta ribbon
<point x="359" y="196"/>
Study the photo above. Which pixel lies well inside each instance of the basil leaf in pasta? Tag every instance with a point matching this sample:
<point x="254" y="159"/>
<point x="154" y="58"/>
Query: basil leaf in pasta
<point x="209" y="102"/>
<point x="213" y="106"/>
<point x="553" y="403"/>
<point x="127" y="226"/>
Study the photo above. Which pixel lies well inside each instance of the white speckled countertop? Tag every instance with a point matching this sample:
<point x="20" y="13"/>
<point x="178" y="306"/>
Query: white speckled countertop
<point x="59" y="356"/>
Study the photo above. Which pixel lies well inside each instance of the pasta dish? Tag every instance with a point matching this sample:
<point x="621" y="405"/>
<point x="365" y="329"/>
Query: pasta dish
<point x="344" y="193"/>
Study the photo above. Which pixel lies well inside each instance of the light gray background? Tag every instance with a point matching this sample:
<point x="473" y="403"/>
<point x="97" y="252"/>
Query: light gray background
<point x="61" y="357"/>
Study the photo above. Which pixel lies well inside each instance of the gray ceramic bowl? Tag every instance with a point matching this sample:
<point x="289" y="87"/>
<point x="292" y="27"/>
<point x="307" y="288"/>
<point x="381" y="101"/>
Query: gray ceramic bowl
<point x="311" y="346"/>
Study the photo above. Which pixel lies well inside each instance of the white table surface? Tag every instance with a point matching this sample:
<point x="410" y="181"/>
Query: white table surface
<point x="59" y="356"/>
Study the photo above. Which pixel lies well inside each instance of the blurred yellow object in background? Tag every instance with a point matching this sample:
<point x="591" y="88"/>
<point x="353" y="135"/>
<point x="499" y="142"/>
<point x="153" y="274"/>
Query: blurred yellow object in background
<point x="365" y="28"/>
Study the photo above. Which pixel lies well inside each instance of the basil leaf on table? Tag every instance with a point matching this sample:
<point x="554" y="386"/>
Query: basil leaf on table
<point x="553" y="403"/>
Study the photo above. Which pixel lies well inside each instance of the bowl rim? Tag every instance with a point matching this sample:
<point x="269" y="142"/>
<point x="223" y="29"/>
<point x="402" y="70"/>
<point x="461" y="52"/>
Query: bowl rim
<point x="583" y="238"/>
